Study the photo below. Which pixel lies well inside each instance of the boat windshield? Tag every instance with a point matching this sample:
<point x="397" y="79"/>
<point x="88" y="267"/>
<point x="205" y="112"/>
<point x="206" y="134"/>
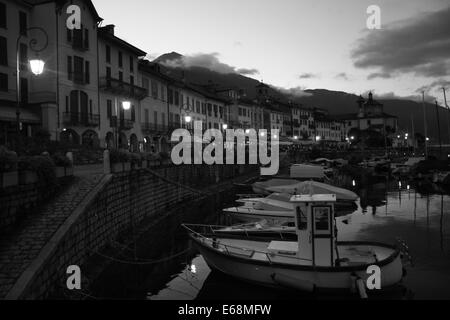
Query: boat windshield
<point x="280" y="197"/>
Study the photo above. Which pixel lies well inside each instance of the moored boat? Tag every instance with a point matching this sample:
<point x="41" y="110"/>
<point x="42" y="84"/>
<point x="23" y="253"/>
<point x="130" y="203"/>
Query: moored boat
<point x="315" y="260"/>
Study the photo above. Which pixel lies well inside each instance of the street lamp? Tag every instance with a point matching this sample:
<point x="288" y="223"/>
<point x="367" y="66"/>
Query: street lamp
<point x="188" y="119"/>
<point x="36" y="66"/>
<point x="224" y="126"/>
<point x="126" y="105"/>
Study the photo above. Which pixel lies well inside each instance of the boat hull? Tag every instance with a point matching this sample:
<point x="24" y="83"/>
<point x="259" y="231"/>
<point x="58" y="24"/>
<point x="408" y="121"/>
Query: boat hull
<point x="305" y="278"/>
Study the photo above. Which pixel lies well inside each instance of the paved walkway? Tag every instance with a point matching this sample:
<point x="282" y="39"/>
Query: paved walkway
<point x="19" y="248"/>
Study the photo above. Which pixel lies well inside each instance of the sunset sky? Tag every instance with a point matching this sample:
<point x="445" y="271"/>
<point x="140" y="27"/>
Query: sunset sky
<point x="299" y="44"/>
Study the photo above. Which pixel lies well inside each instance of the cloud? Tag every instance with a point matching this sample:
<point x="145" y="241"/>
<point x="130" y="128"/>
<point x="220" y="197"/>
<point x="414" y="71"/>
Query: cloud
<point x="296" y="92"/>
<point x="342" y="76"/>
<point x="420" y="45"/>
<point x="375" y="75"/>
<point x="250" y="72"/>
<point x="393" y="96"/>
<point x="308" y="76"/>
<point x="208" y="61"/>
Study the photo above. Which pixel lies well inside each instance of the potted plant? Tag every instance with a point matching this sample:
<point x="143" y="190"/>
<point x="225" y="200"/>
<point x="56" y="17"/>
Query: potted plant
<point x="119" y="160"/>
<point x="37" y="168"/>
<point x="164" y="158"/>
<point x="144" y="161"/>
<point x="135" y="160"/>
<point x="153" y="159"/>
<point x="8" y="168"/>
<point x="63" y="165"/>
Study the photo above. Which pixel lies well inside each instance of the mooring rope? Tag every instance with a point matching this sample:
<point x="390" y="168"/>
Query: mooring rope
<point x="143" y="261"/>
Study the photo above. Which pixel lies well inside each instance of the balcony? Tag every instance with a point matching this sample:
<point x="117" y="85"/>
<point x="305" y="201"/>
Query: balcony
<point x="119" y="87"/>
<point x="81" y="119"/>
<point x="124" y="124"/>
<point x="148" y="128"/>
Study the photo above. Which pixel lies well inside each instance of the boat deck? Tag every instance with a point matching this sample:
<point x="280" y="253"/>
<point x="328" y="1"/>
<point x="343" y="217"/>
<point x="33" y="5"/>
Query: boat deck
<point x="286" y="252"/>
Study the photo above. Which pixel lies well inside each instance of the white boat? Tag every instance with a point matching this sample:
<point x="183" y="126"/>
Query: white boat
<point x="314" y="261"/>
<point x="298" y="172"/>
<point x="260" y="187"/>
<point x="316" y="188"/>
<point x="307" y="172"/>
<point x="261" y="228"/>
<point x="277" y="208"/>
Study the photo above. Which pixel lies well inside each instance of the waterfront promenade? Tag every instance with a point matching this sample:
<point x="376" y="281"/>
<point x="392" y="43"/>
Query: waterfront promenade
<point x="26" y="248"/>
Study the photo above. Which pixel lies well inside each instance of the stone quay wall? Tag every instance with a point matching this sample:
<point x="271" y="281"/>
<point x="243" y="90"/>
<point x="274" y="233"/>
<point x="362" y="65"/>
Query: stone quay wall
<point x="116" y="204"/>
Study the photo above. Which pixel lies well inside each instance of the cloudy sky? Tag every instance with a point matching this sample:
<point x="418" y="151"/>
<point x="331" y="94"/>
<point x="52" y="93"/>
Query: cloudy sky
<point x="299" y="44"/>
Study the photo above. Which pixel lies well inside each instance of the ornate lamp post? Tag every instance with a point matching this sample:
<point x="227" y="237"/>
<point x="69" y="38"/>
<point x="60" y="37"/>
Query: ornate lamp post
<point x="36" y="65"/>
<point x="187" y="117"/>
<point x="126" y="105"/>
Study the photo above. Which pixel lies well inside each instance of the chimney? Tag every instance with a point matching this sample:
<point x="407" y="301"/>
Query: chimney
<point x="109" y="28"/>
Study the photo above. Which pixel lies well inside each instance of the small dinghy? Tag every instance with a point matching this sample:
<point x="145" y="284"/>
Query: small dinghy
<point x="315" y="260"/>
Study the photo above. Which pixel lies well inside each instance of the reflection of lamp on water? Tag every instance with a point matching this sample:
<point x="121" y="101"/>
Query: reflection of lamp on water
<point x="295" y="137"/>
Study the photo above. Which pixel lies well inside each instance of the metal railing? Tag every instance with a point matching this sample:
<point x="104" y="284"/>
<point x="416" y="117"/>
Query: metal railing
<point x="217" y="245"/>
<point x="121" y="87"/>
<point x="81" y="119"/>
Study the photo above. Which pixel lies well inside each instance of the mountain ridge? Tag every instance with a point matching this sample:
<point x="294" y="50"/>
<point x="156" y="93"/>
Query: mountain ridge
<point x="409" y="112"/>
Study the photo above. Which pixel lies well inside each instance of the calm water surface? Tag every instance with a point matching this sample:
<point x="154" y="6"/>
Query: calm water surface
<point x="385" y="212"/>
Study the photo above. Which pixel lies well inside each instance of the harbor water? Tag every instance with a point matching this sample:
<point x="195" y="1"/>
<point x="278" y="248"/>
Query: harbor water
<point x="167" y="267"/>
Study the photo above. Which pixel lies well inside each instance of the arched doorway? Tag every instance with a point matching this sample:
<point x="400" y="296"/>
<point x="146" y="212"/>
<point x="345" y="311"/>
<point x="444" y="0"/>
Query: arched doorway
<point x="70" y="137"/>
<point x="90" y="139"/>
<point x="109" y="140"/>
<point x="123" y="141"/>
<point x="134" y="143"/>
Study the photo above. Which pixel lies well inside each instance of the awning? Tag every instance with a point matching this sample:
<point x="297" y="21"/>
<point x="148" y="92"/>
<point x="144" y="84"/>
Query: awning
<point x="26" y="116"/>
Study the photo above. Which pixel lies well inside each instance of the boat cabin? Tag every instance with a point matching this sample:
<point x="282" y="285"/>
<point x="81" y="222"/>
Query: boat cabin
<point x="315" y="228"/>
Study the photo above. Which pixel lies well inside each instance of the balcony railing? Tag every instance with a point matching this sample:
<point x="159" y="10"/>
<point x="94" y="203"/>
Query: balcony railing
<point x="124" y="124"/>
<point x="81" y="119"/>
<point x="122" y="88"/>
<point x="148" y="127"/>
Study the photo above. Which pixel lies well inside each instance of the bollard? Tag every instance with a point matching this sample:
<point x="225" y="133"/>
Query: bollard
<point x="106" y="162"/>
<point x="69" y="155"/>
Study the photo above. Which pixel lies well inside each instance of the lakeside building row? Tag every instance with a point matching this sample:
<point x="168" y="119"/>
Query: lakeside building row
<point x="98" y="90"/>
